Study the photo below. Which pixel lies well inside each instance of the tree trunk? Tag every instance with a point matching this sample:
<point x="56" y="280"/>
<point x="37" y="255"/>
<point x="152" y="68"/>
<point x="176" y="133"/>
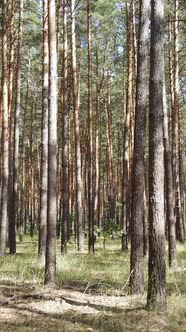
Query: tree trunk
<point x="23" y="184"/>
<point x="175" y="129"/>
<point x="90" y="142"/>
<point x="97" y="151"/>
<point x="110" y="169"/>
<point x="50" y="266"/>
<point x="156" y="296"/>
<point x="14" y="203"/>
<point x="5" y="136"/>
<point x="138" y="176"/>
<point x="31" y="171"/>
<point x="127" y="133"/>
<point x="65" y="208"/>
<point x="169" y="189"/>
<point x="44" y="138"/>
<point x="181" y="175"/>
<point x="10" y="101"/>
<point x="79" y="208"/>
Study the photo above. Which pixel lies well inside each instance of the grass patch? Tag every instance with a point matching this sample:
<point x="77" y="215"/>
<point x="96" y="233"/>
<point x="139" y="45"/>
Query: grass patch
<point x="108" y="269"/>
<point x="105" y="273"/>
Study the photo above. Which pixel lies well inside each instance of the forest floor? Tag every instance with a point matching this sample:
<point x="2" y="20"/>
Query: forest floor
<point x="91" y="293"/>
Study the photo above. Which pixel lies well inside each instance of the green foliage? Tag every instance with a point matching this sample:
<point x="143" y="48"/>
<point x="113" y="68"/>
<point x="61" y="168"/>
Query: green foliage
<point x="97" y="231"/>
<point x="112" y="229"/>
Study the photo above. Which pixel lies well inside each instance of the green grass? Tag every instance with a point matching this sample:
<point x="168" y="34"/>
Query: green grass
<point x="108" y="269"/>
<point x="106" y="272"/>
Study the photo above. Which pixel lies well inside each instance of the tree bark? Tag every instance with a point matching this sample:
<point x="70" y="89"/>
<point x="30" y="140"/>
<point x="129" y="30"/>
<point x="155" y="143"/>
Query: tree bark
<point x="50" y="265"/>
<point x="10" y="98"/>
<point x="5" y="136"/>
<point x="44" y="138"/>
<point x="138" y="176"/>
<point x="110" y="168"/>
<point x="127" y="134"/>
<point x="97" y="150"/>
<point x="90" y="139"/>
<point x="14" y="203"/>
<point x="175" y="129"/>
<point x="78" y="166"/>
<point x="23" y="184"/>
<point x="169" y="188"/>
<point x="65" y="208"/>
<point x="156" y="295"/>
<point x="31" y="166"/>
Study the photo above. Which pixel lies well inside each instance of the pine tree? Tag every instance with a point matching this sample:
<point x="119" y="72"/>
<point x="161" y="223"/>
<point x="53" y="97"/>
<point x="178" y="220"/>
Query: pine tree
<point x="5" y="136"/>
<point x="138" y="176"/>
<point x="50" y="267"/>
<point x="78" y="165"/>
<point x="44" y="138"/>
<point x="156" y="296"/>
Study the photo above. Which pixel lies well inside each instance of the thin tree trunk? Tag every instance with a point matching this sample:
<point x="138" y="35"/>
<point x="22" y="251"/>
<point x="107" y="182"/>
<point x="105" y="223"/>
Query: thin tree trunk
<point x="169" y="190"/>
<point x="23" y="188"/>
<point x="90" y="142"/>
<point x="127" y="134"/>
<point x="31" y="174"/>
<point x="10" y="103"/>
<point x="131" y="95"/>
<point x="181" y="175"/>
<point x="110" y="169"/>
<point x="79" y="207"/>
<point x="50" y="265"/>
<point x="11" y="67"/>
<point x="175" y="130"/>
<point x="14" y="206"/>
<point x="171" y="76"/>
<point x="5" y="136"/>
<point x="65" y="208"/>
<point x="44" y="138"/>
<point x="97" y="152"/>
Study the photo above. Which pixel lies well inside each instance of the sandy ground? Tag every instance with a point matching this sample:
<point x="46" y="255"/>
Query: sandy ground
<point x="44" y="309"/>
<point x="28" y="308"/>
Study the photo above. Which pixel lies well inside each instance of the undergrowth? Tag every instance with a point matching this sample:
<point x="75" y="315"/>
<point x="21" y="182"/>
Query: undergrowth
<point x="105" y="273"/>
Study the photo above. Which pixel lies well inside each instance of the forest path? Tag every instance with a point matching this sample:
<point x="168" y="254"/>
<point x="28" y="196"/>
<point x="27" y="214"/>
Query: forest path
<point x="30" y="308"/>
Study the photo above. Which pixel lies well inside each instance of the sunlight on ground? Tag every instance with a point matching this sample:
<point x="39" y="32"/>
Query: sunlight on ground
<point x="91" y="293"/>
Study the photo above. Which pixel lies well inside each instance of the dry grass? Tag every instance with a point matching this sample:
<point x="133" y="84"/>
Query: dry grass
<point x="91" y="293"/>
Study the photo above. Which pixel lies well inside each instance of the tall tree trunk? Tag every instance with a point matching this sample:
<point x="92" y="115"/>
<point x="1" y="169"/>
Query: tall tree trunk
<point x="23" y="187"/>
<point x="171" y="76"/>
<point x="90" y="140"/>
<point x="44" y="138"/>
<point x="175" y="129"/>
<point x="65" y="208"/>
<point x="138" y="176"/>
<point x="10" y="101"/>
<point x="50" y="265"/>
<point x="79" y="208"/>
<point x="169" y="189"/>
<point x="127" y="133"/>
<point x="31" y="168"/>
<point x="181" y="176"/>
<point x="12" y="234"/>
<point x="5" y="136"/>
<point x="11" y="72"/>
<point x="97" y="152"/>
<point x="156" y="296"/>
<point x="110" y="168"/>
